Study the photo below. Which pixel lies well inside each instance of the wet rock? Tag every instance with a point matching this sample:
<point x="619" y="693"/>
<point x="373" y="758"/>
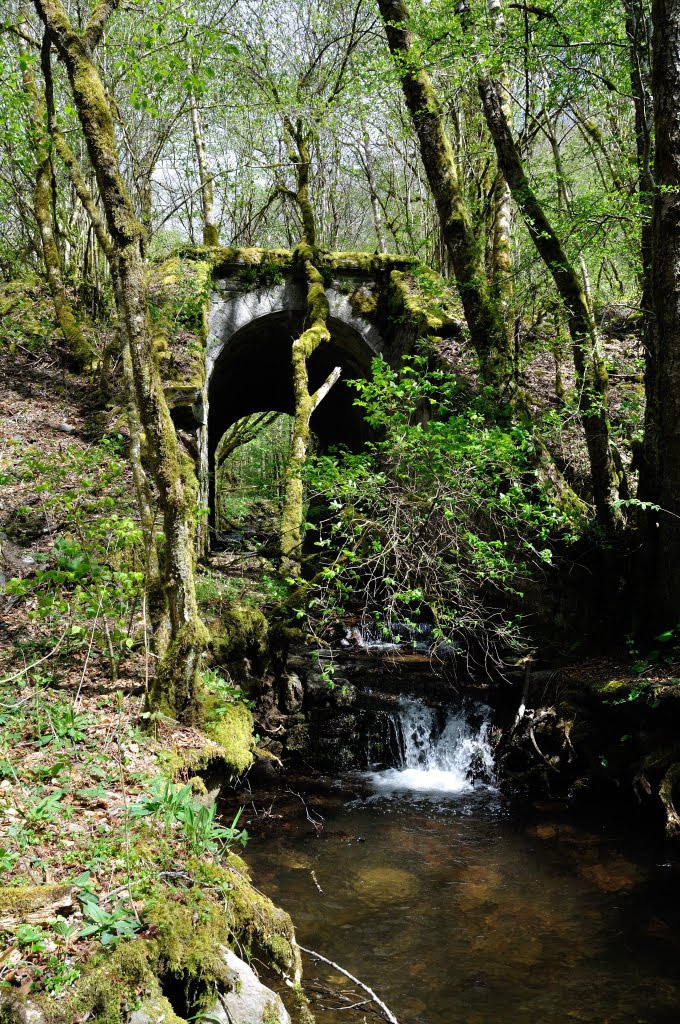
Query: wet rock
<point x="339" y="727"/>
<point x="385" y="884"/>
<point x="292" y="693"/>
<point x="297" y="738"/>
<point x="317" y="688"/>
<point x="614" y="875"/>
<point x="248" y="1001"/>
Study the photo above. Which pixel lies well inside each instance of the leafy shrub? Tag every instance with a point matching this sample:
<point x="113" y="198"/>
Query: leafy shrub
<point x="442" y="519"/>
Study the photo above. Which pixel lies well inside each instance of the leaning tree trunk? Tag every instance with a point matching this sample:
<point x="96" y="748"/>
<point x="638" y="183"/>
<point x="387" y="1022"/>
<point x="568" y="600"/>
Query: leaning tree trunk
<point x="174" y="685"/>
<point x="663" y="373"/>
<point x="483" y="315"/>
<point x="591" y="374"/>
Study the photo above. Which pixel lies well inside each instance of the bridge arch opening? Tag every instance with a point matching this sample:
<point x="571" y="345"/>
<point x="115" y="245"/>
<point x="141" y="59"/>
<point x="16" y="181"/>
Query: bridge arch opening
<point x="252" y="373"/>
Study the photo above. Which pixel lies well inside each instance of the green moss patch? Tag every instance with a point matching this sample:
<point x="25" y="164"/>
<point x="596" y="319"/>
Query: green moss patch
<point x="231" y="727"/>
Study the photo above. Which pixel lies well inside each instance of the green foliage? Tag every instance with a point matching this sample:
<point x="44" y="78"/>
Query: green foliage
<point x="31" y="936"/>
<point x="441" y="519"/>
<point x="108" y="926"/>
<point x="177" y="805"/>
<point x="222" y="690"/>
<point x="251" y="481"/>
<point x="261" y="275"/>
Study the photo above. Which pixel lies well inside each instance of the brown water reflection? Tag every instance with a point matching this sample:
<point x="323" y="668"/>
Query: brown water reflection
<point x="452" y="912"/>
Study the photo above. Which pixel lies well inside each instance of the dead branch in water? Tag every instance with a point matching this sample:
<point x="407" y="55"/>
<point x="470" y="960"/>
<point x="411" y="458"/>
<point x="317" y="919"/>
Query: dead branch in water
<point x="331" y="963"/>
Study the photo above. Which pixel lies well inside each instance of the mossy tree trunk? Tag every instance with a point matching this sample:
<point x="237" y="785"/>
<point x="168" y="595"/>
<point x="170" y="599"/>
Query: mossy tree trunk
<point x="501" y="253"/>
<point x="292" y="515"/>
<point x="80" y="353"/>
<point x="591" y="375"/>
<point x="174" y="685"/>
<point x="483" y="314"/>
<point x="298" y="145"/>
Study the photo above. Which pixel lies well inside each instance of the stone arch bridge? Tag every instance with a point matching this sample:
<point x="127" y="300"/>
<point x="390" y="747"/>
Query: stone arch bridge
<point x="225" y="320"/>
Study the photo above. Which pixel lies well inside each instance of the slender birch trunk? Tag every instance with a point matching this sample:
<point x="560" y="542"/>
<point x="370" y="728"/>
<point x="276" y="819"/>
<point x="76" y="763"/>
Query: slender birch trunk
<point x="210" y="233"/>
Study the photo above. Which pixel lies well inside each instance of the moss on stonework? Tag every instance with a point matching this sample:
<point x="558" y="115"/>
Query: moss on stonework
<point x="365" y="262"/>
<point x="363" y="302"/>
<point x="223" y="259"/>
<point x="422" y="299"/>
<point x="180" y="295"/>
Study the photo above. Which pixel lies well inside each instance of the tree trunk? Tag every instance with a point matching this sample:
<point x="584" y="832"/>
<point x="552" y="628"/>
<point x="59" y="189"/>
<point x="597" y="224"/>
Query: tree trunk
<point x="174" y="685"/>
<point x="501" y="258"/>
<point x="301" y="159"/>
<point x="591" y="374"/>
<point x="484" y="318"/>
<point x="663" y="384"/>
<point x="292" y="516"/>
<point x="210" y="234"/>
<point x="80" y="353"/>
<point x="639" y="32"/>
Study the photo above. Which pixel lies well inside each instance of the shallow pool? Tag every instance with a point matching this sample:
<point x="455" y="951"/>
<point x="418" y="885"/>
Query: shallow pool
<point x="454" y="911"/>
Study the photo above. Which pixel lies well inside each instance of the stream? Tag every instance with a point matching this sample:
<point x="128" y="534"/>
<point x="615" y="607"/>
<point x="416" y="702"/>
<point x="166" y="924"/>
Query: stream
<point x="416" y="880"/>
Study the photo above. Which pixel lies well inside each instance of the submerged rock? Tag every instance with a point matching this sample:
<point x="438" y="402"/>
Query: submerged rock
<point x="385" y="884"/>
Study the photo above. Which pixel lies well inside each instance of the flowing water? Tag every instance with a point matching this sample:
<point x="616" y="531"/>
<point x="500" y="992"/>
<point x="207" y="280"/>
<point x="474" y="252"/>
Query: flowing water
<point x="419" y="884"/>
<point x="447" y="760"/>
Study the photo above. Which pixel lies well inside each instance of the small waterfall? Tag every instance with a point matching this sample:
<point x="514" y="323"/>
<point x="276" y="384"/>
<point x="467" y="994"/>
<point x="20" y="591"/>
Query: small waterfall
<point x="398" y="636"/>
<point x="451" y="758"/>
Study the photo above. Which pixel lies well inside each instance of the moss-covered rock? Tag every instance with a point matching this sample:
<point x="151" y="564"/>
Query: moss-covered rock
<point x="182" y="960"/>
<point x="241" y="632"/>
<point x="231" y="727"/>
